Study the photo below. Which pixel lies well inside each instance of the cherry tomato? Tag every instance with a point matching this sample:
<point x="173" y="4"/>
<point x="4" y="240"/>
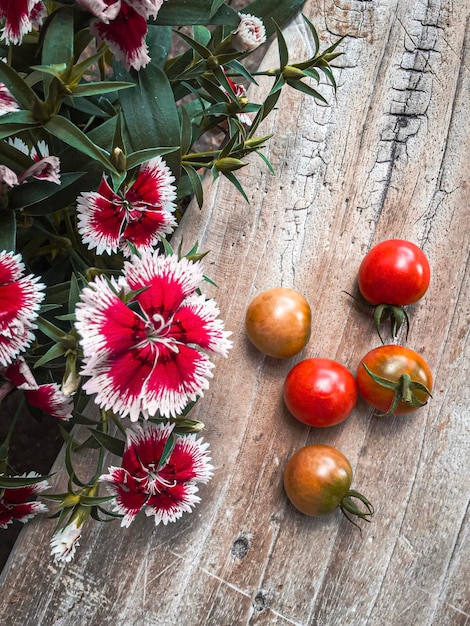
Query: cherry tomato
<point x="394" y="379"/>
<point x="394" y="272"/>
<point x="278" y="322"/>
<point x="317" y="480"/>
<point x="320" y="392"/>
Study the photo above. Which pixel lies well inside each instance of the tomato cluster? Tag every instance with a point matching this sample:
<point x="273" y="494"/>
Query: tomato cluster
<point x="321" y="392"/>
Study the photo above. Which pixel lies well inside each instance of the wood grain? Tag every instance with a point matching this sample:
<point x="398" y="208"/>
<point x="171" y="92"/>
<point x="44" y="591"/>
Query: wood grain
<point x="388" y="158"/>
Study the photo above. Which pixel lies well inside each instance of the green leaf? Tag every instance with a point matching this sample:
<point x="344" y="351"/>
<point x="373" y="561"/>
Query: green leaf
<point x="70" y="134"/>
<point x="26" y="196"/>
<point x="184" y="13"/>
<point x="7" y="230"/>
<point x="57" y="45"/>
<point x="150" y="113"/>
<point x="20" y="90"/>
<point x="186" y="139"/>
<point x="267" y="161"/>
<point x="304" y="88"/>
<point x="314" y="32"/>
<point x="196" y="184"/>
<point x="216" y="4"/>
<point x="112" y="444"/>
<point x="13" y="482"/>
<point x="92" y="89"/>
<point x="159" y="41"/>
<point x="13" y="158"/>
<point x="49" y="329"/>
<point x="56" y="351"/>
<point x="282" y="47"/>
<point x="21" y="118"/>
<point x="234" y="180"/>
<point x="202" y="51"/>
<point x="141" y="156"/>
<point x="280" y="11"/>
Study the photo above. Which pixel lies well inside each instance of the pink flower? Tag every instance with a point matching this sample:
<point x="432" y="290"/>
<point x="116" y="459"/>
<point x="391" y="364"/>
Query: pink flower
<point x="20" y="16"/>
<point x="48" y="397"/>
<point x="250" y="33"/>
<point x="19" y="503"/>
<point x="164" y="489"/>
<point x="141" y="214"/>
<point x="123" y="26"/>
<point x="7" y="101"/>
<point x="146" y="339"/>
<point x="20" y="298"/>
<point x="240" y="92"/>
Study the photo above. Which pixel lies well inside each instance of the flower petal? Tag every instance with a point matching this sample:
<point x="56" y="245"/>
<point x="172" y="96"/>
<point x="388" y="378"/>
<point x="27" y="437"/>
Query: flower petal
<point x="188" y="461"/>
<point x="20" y="16"/>
<point x="169" y="280"/>
<point x="7" y="101"/>
<point x="125" y="36"/>
<point x="50" y="399"/>
<point x="170" y="505"/>
<point x="100" y="218"/>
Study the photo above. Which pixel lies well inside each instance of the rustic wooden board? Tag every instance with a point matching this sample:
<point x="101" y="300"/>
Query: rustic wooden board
<point x="389" y="158"/>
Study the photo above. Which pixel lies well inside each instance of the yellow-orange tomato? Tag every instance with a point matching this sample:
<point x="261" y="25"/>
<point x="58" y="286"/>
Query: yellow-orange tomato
<point x="317" y="478"/>
<point x="278" y="322"/>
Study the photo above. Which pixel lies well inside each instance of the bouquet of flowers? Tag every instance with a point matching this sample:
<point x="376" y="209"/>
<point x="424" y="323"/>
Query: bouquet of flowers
<point x="111" y="112"/>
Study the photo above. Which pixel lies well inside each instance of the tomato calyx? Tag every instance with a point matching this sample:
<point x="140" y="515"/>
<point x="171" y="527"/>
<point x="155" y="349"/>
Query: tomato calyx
<point x="350" y="509"/>
<point x="398" y="317"/>
<point x="403" y="391"/>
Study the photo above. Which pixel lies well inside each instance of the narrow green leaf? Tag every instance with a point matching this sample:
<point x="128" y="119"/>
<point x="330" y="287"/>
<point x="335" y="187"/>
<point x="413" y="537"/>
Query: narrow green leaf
<point x="267" y="161"/>
<point x="13" y="158"/>
<point x="49" y="329"/>
<point x="26" y="196"/>
<point x="304" y="88"/>
<point x="23" y="118"/>
<point x="141" y="156"/>
<point x="21" y="91"/>
<point x="13" y="482"/>
<point x="112" y="444"/>
<point x="196" y="184"/>
<point x="202" y="51"/>
<point x="7" y="230"/>
<point x="186" y="139"/>
<point x="56" y="351"/>
<point x="70" y="134"/>
<point x="314" y="32"/>
<point x="282" y="47"/>
<point x="92" y="89"/>
<point x="234" y="180"/>
<point x="216" y="4"/>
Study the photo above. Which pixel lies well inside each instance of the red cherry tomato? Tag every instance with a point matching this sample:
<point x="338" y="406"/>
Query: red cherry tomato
<point x="320" y="392"/>
<point x="394" y="272"/>
<point x="406" y="379"/>
<point x="278" y="322"/>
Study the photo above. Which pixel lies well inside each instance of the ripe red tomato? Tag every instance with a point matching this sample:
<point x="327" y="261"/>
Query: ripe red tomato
<point x="320" y="392"/>
<point x="394" y="272"/>
<point x="399" y="380"/>
<point x="317" y="480"/>
<point x="278" y="322"/>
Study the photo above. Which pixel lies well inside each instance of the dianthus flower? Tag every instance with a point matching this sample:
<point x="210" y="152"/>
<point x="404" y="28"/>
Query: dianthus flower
<point x="47" y="397"/>
<point x="146" y="339"/>
<point x="123" y="26"/>
<point x="65" y="541"/>
<point x="164" y="488"/>
<point x="19" y="17"/>
<point x="141" y="214"/>
<point x="19" y="503"/>
<point x="249" y="34"/>
<point x="7" y="101"/>
<point x="45" y="167"/>
<point x="20" y="298"/>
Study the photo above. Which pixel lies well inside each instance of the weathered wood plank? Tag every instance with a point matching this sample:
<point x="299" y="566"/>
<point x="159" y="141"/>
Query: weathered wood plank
<point x="388" y="158"/>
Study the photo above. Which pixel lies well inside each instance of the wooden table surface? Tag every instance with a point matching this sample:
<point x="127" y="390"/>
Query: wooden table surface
<point x="388" y="158"/>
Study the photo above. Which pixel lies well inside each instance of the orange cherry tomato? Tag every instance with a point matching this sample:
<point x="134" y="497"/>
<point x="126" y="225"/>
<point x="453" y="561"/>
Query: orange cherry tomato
<point x="278" y="322"/>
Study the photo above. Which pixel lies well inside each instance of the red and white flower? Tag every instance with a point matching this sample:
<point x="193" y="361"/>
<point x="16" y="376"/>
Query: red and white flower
<point x="19" y="17"/>
<point x="45" y="167"/>
<point x="164" y="488"/>
<point x="249" y="34"/>
<point x="65" y="541"/>
<point x="19" y="503"/>
<point x="240" y="91"/>
<point x="20" y="298"/>
<point x="47" y="397"/>
<point x="146" y="339"/>
<point x="7" y="101"/>
<point x="122" y="24"/>
<point x="140" y="214"/>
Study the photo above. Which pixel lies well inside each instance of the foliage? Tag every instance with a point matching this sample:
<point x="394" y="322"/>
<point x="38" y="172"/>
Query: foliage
<point x="105" y="116"/>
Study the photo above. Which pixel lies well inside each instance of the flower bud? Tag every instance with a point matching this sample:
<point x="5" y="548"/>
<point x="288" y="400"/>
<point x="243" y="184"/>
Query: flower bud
<point x="292" y="73"/>
<point x="250" y="33"/>
<point x="118" y="159"/>
<point x="228" y="164"/>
